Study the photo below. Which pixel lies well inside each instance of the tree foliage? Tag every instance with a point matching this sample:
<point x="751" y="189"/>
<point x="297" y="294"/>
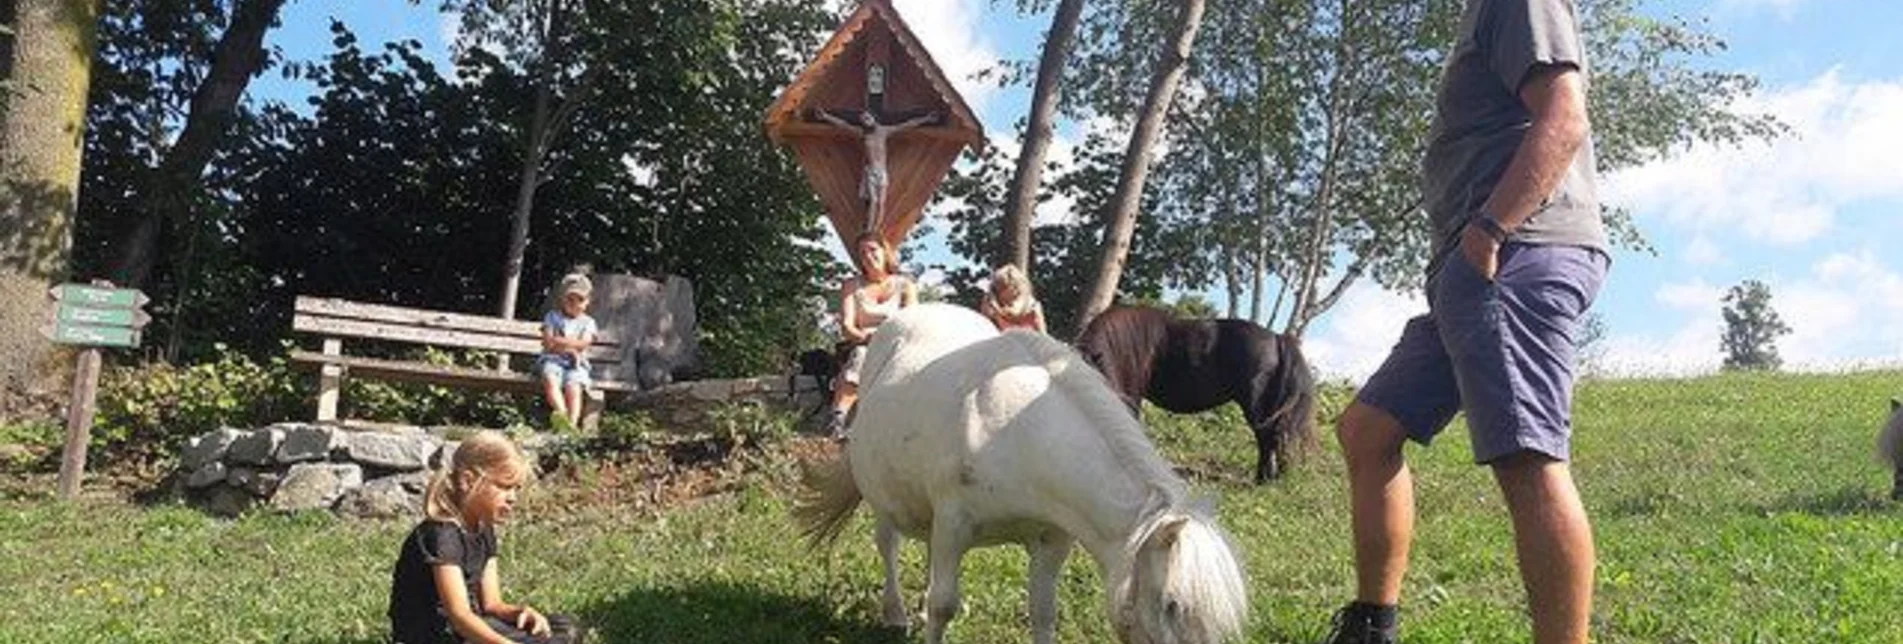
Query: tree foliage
<point x="1752" y="328"/>
<point x="394" y="181"/>
<point x="1292" y="156"/>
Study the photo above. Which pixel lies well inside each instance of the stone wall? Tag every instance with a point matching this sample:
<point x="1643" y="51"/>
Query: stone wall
<point x="686" y="407"/>
<point x="357" y="470"/>
<point x="374" y="470"/>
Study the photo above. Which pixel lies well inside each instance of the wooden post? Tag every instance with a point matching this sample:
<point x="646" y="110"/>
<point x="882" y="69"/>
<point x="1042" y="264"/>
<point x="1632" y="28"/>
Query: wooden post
<point x="592" y="402"/>
<point x="329" y="382"/>
<point x="79" y="422"/>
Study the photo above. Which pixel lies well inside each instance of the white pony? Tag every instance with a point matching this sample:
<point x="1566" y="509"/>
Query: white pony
<point x="1890" y="447"/>
<point x="967" y="438"/>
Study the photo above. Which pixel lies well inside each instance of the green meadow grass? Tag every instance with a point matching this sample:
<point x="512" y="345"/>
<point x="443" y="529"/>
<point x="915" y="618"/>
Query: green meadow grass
<point x="1737" y="508"/>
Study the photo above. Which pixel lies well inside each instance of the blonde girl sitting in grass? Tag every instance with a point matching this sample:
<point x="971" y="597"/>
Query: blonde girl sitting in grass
<point x="446" y="587"/>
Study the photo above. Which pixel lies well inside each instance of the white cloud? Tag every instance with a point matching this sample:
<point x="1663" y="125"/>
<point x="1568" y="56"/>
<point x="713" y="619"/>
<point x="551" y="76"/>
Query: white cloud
<point x="949" y="29"/>
<point x="1842" y="151"/>
<point x="1693" y="296"/>
<point x="1701" y="252"/>
<point x="1848" y="312"/>
<point x="1355" y="336"/>
<point x="449" y="28"/>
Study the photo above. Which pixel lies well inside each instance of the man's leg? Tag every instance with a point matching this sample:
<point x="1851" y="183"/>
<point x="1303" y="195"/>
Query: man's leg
<point x="1382" y="492"/>
<point x="1412" y="395"/>
<point x="1516" y="375"/>
<point x="1554" y="540"/>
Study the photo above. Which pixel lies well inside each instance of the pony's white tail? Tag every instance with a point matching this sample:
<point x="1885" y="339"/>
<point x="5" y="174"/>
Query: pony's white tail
<point x="1890" y="440"/>
<point x="1206" y="577"/>
<point x="825" y="505"/>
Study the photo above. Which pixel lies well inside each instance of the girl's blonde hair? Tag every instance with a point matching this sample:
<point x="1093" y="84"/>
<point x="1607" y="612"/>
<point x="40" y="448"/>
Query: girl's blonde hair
<point x="1010" y="274"/>
<point x="891" y="256"/>
<point x="488" y="454"/>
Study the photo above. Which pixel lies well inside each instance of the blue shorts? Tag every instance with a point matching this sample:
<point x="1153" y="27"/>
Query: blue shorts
<point x="1500" y="350"/>
<point x="562" y="369"/>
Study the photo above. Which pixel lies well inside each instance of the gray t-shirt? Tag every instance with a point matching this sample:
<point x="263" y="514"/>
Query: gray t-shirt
<point x="567" y="327"/>
<point x="1479" y="122"/>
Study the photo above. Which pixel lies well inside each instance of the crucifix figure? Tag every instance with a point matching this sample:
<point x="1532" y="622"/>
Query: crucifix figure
<point x="872" y="187"/>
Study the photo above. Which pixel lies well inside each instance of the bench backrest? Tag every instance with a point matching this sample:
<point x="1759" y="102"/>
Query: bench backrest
<point x="343" y="318"/>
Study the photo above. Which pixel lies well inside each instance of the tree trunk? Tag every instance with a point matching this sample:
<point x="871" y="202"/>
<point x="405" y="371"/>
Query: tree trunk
<point x="1021" y="207"/>
<point x="530" y="178"/>
<point x="1136" y="165"/>
<point x="1232" y="280"/>
<point x="541" y="132"/>
<point x="1256" y="271"/>
<point x="42" y="131"/>
<point x="238" y="57"/>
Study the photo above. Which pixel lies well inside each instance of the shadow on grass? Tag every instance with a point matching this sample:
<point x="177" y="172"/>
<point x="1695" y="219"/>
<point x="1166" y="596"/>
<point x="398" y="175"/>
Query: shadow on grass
<point x="721" y="612"/>
<point x="1846" y="501"/>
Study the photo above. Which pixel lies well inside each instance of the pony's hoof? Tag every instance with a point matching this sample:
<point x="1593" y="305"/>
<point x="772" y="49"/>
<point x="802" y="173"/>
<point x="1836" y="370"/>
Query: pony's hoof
<point x="899" y="622"/>
<point x="1269" y="470"/>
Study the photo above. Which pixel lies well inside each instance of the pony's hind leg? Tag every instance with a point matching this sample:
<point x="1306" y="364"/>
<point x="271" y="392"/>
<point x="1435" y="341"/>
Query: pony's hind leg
<point x="951" y="536"/>
<point x="1268" y="453"/>
<point x="892" y="602"/>
<point x="1048" y="553"/>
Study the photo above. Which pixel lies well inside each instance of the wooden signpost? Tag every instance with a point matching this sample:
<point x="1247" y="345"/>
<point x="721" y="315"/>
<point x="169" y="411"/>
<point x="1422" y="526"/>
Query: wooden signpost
<point x="92" y="316"/>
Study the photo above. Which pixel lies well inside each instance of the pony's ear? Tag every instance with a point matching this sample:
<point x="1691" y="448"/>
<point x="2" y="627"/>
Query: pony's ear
<point x="1168" y="530"/>
<point x="1895" y="403"/>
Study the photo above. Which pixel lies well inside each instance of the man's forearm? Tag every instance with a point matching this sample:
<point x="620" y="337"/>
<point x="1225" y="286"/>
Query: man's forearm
<point x="1544" y="156"/>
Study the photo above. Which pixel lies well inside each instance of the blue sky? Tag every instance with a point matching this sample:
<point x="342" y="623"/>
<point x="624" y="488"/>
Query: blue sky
<point x="1815" y="215"/>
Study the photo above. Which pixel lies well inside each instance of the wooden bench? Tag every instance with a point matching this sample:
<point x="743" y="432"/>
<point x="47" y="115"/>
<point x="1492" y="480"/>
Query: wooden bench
<point x="335" y="319"/>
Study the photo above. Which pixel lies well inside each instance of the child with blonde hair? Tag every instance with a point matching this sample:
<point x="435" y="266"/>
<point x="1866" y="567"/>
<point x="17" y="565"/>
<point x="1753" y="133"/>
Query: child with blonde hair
<point x="446" y="587"/>
<point x="567" y="332"/>
<point x="1009" y="302"/>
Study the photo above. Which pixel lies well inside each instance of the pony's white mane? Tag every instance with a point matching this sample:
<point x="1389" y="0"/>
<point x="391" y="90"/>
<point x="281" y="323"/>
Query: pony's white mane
<point x="1204" y="575"/>
<point x="1107" y="414"/>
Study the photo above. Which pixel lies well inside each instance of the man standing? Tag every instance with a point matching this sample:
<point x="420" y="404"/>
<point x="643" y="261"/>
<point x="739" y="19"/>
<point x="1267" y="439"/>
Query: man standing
<point x="1518" y="256"/>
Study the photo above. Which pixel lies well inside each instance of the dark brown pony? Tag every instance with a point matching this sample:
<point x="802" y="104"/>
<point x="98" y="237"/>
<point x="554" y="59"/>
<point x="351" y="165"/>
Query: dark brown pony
<point x="1187" y="366"/>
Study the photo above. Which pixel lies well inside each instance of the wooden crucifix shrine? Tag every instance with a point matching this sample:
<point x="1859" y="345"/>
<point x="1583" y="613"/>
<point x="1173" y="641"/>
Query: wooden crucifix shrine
<point x="875" y="125"/>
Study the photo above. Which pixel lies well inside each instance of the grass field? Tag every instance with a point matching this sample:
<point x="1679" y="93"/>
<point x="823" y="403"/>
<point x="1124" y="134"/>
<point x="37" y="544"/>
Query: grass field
<point x="1728" y="509"/>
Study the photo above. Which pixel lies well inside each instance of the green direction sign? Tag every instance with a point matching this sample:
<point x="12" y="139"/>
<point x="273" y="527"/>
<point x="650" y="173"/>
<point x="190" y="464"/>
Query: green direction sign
<point x="102" y="336"/>
<point x="134" y="318"/>
<point x="99" y="296"/>
<point x="99" y="316"/>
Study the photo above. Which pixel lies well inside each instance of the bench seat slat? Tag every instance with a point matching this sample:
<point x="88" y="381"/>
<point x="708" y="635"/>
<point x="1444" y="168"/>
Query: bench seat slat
<point x="336" y="308"/>
<point x="442" y="375"/>
<point x="597" y="352"/>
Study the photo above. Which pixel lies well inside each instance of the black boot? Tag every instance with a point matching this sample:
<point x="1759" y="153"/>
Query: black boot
<point x="836" y="426"/>
<point x="1359" y="623"/>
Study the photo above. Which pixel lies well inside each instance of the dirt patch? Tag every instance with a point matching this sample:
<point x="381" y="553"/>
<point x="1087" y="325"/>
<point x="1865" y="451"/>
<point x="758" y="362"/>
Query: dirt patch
<point x="652" y="478"/>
